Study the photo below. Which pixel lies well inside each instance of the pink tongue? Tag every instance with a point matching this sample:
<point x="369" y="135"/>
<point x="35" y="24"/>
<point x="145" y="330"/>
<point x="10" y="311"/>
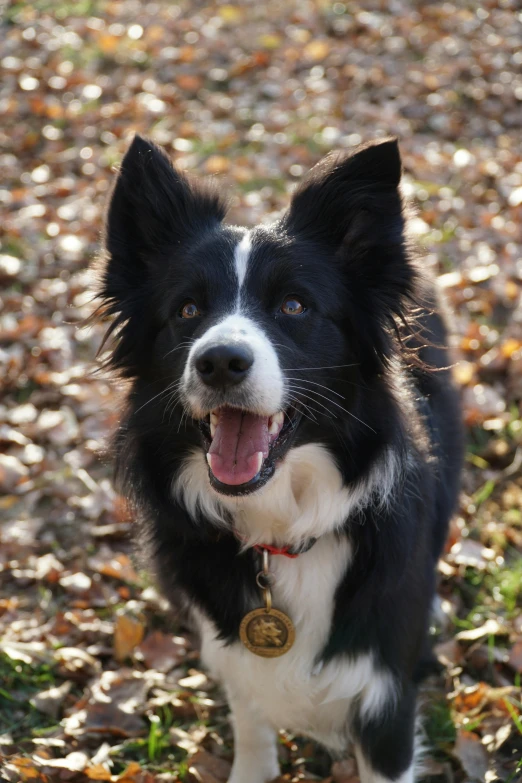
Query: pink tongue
<point x="237" y="441"/>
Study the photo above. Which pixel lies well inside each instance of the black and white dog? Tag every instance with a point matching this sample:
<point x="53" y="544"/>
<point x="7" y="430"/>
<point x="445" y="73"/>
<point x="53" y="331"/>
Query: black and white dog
<point x="289" y="394"/>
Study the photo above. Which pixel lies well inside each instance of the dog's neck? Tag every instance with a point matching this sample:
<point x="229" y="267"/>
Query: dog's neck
<point x="305" y="499"/>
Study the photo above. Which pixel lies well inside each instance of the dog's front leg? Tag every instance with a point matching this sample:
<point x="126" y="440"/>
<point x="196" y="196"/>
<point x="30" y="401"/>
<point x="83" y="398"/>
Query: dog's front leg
<point x="385" y="745"/>
<point x="255" y="746"/>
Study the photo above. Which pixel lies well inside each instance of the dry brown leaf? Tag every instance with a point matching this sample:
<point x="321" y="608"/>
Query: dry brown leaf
<point x="24" y="769"/>
<point x="133" y="773"/>
<point x="12" y="473"/>
<point x="50" y="701"/>
<point x="98" y="772"/>
<point x="114" y="707"/>
<point x="128" y="633"/>
<point x="75" y="663"/>
<point x="449" y="653"/>
<point x="472" y="755"/>
<point x="490" y="628"/>
<point x="196" y="681"/>
<point x="515" y="656"/>
<point x="162" y="652"/>
<point x="204" y="768"/>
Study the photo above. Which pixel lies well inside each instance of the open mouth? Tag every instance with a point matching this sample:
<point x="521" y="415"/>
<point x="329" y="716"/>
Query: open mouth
<point x="243" y="448"/>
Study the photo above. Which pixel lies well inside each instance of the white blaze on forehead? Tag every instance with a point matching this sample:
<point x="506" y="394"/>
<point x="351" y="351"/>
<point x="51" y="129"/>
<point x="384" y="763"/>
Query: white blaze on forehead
<point x="241" y="256"/>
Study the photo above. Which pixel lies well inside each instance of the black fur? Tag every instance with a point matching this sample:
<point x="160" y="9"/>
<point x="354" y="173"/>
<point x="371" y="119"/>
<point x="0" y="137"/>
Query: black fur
<point x="372" y="317"/>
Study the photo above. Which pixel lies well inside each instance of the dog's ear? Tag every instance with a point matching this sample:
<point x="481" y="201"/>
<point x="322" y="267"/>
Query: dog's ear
<point x="352" y="205"/>
<point x="153" y="210"/>
<point x="328" y="204"/>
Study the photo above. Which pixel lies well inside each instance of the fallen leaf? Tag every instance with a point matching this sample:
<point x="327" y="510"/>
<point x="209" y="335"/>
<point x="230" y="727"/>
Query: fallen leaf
<point x="470" y="553"/>
<point x="128" y="633"/>
<point x="196" y="681"/>
<point x="472" y="755"/>
<point x="75" y="663"/>
<point x="50" y="701"/>
<point x="25" y="769"/>
<point x="98" y="772"/>
<point x="317" y="50"/>
<point x="161" y="651"/>
<point x="118" y="567"/>
<point x="515" y="656"/>
<point x="73" y="762"/>
<point x="449" y="653"/>
<point x="472" y="698"/>
<point x="490" y="628"/>
<point x="115" y="706"/>
<point x="204" y="768"/>
<point x="12" y="473"/>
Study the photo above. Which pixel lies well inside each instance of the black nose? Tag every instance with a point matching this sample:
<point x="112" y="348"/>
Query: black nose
<point x="224" y="365"/>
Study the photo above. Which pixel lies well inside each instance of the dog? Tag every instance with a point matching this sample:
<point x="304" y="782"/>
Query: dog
<point x="291" y="444"/>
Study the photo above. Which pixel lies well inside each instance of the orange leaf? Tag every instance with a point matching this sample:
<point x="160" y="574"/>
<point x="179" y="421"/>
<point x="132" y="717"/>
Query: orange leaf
<point x="509" y="347"/>
<point x="128" y="633"/>
<point x="108" y="43"/>
<point x="98" y="772"/>
<point x="317" y="50"/>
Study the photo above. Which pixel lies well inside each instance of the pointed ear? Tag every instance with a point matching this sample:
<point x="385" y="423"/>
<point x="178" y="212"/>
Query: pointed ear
<point x="328" y="204"/>
<point x="153" y="209"/>
<point x="352" y="206"/>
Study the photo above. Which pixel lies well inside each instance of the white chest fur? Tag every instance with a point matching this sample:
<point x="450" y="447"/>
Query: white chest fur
<point x="293" y="691"/>
<point x="306" y="498"/>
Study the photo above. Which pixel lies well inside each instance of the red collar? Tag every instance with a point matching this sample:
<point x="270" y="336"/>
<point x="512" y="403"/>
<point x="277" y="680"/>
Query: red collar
<point x="287" y="551"/>
<point x="276" y="550"/>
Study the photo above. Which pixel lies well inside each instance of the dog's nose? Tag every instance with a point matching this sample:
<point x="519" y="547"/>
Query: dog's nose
<point x="224" y="365"/>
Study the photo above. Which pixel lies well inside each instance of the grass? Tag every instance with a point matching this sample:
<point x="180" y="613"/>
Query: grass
<point x="439" y="727"/>
<point x="20" y="682"/>
<point x="156" y="752"/>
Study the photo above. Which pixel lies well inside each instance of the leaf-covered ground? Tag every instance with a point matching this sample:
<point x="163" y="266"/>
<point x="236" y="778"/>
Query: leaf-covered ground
<point x="97" y="680"/>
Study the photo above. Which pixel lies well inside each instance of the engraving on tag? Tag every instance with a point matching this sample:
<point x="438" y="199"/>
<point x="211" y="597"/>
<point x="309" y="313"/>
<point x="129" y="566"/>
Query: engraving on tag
<point x="268" y="634"/>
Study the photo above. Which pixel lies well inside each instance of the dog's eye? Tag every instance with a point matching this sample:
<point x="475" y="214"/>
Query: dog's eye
<point x="189" y="310"/>
<point x="292" y="306"/>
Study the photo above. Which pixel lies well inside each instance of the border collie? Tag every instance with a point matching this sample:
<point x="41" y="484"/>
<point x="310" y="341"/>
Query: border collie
<point x="291" y="444"/>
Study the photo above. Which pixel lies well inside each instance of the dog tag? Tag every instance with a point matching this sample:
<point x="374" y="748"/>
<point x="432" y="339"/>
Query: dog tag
<point x="268" y="634"/>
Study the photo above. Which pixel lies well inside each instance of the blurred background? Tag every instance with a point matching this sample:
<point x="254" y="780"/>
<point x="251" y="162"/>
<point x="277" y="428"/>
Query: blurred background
<point x="97" y="682"/>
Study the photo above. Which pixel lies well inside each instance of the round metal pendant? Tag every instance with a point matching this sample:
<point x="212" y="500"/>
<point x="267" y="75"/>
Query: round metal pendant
<point x="268" y="634"/>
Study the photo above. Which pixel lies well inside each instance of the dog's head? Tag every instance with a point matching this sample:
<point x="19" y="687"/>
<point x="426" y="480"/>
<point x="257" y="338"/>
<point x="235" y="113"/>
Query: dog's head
<point x="255" y="340"/>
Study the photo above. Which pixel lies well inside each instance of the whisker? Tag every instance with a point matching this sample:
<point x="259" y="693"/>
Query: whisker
<point x="305" y="380"/>
<point x="163" y="391"/>
<point x="300" y="403"/>
<point x="184" y="417"/>
<point x="311" y="417"/>
<point x="312" y="391"/>
<point x="328" y="367"/>
<point x="331" y="414"/>
<point x="185" y="344"/>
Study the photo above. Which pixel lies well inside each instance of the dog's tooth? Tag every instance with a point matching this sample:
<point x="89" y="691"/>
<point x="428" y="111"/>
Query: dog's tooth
<point x="214" y="418"/>
<point x="276" y="422"/>
<point x="260" y="458"/>
<point x="209" y="460"/>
